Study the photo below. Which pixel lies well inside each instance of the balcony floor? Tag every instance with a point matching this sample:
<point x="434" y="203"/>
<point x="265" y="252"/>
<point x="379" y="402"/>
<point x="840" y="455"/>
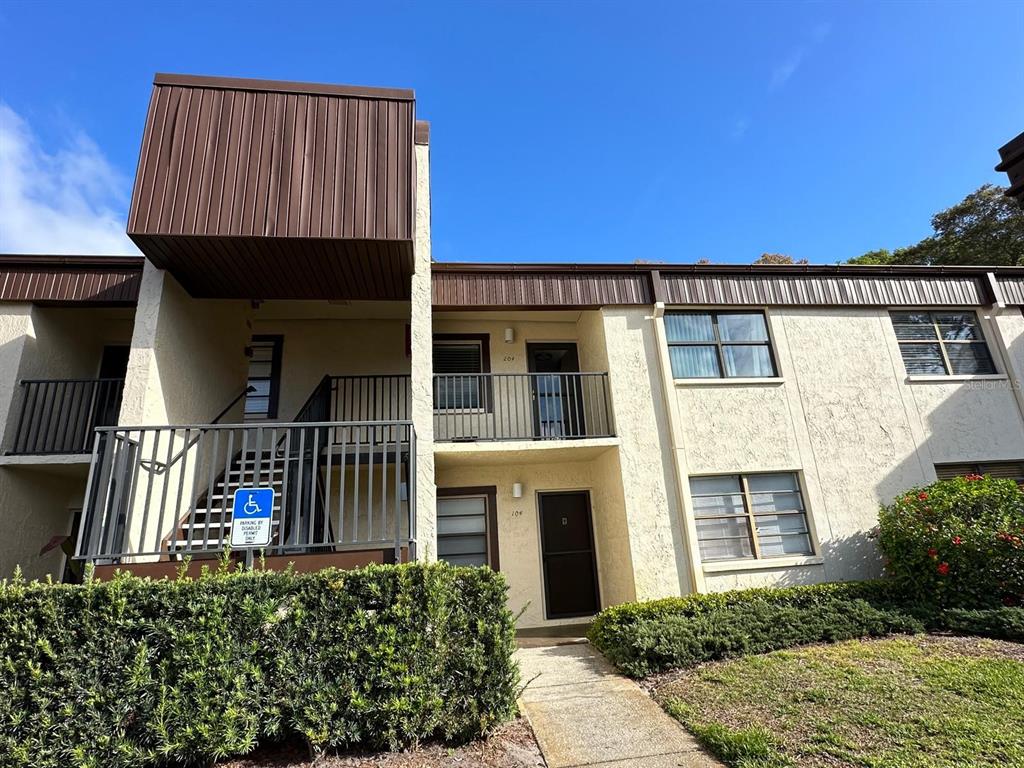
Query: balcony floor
<point x="471" y="454"/>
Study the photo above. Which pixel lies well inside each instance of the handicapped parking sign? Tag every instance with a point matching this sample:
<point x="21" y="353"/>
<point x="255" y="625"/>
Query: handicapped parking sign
<point x="251" y="517"/>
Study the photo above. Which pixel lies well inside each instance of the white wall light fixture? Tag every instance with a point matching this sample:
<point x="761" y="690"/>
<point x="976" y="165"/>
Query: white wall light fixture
<point x="510" y="335"/>
<point x="517" y="490"/>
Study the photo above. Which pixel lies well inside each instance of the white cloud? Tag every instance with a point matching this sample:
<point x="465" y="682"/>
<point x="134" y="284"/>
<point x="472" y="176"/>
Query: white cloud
<point x="71" y="201"/>
<point x="785" y="70"/>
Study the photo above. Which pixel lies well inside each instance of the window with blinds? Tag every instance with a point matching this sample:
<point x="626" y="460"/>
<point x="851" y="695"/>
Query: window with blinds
<point x="457" y="368"/>
<point x="462" y="530"/>
<point x="1012" y="470"/>
<point x="942" y="344"/>
<point x="264" y="378"/>
<point x="750" y="517"/>
<point x="714" y="345"/>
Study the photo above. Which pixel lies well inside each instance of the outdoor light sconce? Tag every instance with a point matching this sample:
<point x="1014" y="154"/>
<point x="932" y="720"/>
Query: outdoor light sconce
<point x="510" y="335"/>
<point x="517" y="490"/>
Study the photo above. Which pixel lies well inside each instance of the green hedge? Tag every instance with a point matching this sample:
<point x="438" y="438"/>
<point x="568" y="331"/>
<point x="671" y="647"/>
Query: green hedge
<point x="135" y="672"/>
<point x="643" y="638"/>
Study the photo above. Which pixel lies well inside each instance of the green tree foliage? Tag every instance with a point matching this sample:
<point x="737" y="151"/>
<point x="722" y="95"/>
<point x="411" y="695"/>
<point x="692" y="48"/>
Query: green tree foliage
<point x="778" y="258"/>
<point x="135" y="672"/>
<point x="986" y="228"/>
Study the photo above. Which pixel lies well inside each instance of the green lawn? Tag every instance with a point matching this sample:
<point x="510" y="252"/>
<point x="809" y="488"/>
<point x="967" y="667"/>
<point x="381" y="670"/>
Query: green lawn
<point x="909" y="701"/>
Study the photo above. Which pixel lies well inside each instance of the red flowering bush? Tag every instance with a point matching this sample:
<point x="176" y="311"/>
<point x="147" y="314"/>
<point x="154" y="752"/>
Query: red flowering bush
<point x="957" y="543"/>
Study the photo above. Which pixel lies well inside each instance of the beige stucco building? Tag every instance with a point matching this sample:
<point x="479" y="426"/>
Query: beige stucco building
<point x="599" y="433"/>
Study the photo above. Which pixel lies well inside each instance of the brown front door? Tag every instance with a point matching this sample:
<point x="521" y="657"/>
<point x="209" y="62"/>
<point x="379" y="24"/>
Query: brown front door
<point x="567" y="549"/>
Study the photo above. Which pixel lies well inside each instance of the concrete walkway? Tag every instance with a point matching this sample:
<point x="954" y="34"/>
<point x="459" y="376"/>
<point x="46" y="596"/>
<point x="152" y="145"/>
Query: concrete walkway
<point x="585" y="714"/>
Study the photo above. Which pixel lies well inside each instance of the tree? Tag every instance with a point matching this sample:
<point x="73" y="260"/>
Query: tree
<point x="778" y="258"/>
<point x="986" y="228"/>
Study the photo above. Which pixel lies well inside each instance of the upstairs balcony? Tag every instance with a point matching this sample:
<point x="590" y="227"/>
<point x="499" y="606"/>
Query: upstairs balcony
<point x="58" y="416"/>
<point x="489" y="407"/>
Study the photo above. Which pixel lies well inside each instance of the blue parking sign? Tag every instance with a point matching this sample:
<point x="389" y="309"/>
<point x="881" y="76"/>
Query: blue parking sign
<point x="251" y="517"/>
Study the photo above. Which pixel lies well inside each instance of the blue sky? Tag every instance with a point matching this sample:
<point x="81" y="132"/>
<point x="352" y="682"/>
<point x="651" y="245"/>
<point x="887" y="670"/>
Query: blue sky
<point x="560" y="131"/>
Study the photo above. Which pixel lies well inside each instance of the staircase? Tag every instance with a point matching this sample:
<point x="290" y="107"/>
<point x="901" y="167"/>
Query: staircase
<point x="210" y="525"/>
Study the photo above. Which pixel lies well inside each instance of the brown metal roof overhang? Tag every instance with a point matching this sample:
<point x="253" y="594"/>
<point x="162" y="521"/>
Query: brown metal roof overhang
<point x="70" y="280"/>
<point x="585" y="286"/>
<point x="265" y="189"/>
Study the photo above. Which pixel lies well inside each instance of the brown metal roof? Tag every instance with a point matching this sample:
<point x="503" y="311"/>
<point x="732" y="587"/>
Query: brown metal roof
<point x="70" y="280"/>
<point x="537" y="286"/>
<point x="236" y="177"/>
<point x="1011" y="156"/>
<point x="1012" y="289"/>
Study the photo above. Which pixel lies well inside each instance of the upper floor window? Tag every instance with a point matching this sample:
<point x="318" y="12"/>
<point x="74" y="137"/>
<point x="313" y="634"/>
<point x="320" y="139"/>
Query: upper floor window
<point x="713" y="345"/>
<point x="459" y="361"/>
<point x="745" y="517"/>
<point x="942" y="343"/>
<point x="264" y="377"/>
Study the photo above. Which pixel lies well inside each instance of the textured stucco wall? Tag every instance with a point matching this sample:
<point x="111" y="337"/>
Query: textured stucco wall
<point x="848" y="419"/>
<point x="422" y="365"/>
<point x="36" y="504"/>
<point x="650" y="501"/>
<point x="188" y="355"/>
<point x="15" y="327"/>
<point x="313" y="349"/>
<point x="519" y="524"/>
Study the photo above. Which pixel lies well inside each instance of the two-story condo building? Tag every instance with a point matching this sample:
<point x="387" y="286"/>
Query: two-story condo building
<point x="599" y="433"/>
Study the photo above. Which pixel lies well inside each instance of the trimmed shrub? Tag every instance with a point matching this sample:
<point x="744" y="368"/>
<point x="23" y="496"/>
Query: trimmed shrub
<point x="136" y="672"/>
<point x="642" y="638"/>
<point x="677" y="632"/>
<point x="957" y="543"/>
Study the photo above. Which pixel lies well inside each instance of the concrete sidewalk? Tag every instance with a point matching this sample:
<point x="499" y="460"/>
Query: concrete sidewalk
<point x="585" y="714"/>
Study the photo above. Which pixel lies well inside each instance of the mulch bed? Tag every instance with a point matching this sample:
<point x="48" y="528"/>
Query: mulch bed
<point x="509" y="746"/>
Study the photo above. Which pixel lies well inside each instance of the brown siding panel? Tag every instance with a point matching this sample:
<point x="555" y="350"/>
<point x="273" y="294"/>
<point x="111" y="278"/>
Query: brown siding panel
<point x="471" y="286"/>
<point x="545" y="289"/>
<point x="767" y="290"/>
<point x="112" y="280"/>
<point x="1012" y="289"/>
<point x="244" y="162"/>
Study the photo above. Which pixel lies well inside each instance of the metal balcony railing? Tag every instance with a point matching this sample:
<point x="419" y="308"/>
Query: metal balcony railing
<point x="359" y="398"/>
<point x="59" y="415"/>
<point x="158" y="493"/>
<point x="521" y="406"/>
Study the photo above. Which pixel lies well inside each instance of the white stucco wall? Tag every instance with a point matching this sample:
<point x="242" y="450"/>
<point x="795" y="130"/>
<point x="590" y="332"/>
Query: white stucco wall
<point x="847" y="418"/>
<point x="422" y="365"/>
<point x="652" y="509"/>
<point x="187" y="359"/>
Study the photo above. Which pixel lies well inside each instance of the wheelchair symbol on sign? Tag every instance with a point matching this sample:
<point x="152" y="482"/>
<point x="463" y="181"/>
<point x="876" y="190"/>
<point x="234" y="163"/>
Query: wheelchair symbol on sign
<point x="251" y="507"/>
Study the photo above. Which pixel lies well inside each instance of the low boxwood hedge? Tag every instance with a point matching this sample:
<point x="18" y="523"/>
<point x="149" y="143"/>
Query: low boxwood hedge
<point x="648" y="637"/>
<point x="135" y="672"/>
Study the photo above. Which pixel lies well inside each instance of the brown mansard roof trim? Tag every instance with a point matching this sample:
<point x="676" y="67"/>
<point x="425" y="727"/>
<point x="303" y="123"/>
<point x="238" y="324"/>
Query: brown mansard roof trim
<point x="548" y="286"/>
<point x="70" y="280"/>
<point x="115" y="280"/>
<point x="283" y="86"/>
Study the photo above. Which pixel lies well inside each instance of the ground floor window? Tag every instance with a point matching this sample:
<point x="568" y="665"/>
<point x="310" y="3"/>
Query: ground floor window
<point x="747" y="517"/>
<point x="1013" y="470"/>
<point x="467" y="529"/>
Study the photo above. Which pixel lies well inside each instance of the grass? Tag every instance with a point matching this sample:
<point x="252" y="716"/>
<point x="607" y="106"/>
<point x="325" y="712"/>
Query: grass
<point x="896" y="702"/>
